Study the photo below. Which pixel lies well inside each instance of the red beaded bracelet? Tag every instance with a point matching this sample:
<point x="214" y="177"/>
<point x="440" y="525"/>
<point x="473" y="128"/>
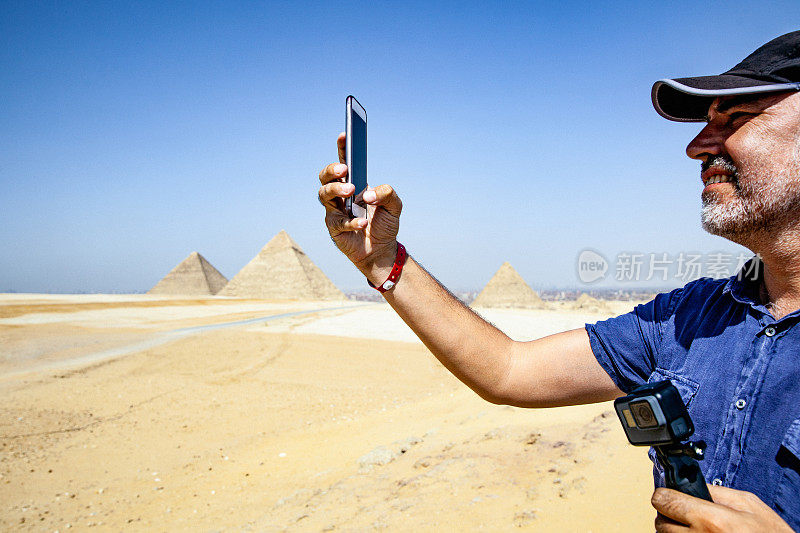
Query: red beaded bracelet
<point x="394" y="275"/>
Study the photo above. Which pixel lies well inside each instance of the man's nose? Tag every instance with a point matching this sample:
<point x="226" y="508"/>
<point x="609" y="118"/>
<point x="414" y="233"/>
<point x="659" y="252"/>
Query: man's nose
<point x="709" y="142"/>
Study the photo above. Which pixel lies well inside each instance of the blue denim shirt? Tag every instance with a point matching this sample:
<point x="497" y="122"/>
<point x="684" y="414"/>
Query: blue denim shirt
<point x="738" y="371"/>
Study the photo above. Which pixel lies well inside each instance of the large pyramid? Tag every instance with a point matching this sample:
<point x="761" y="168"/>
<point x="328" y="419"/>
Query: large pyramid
<point x="193" y="276"/>
<point x="282" y="271"/>
<point x="508" y="289"/>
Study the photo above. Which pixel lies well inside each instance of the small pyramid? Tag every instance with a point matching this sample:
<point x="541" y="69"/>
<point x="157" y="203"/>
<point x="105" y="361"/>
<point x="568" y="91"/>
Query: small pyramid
<point x="282" y="271"/>
<point x="508" y="289"/>
<point x="584" y="302"/>
<point x="193" y="276"/>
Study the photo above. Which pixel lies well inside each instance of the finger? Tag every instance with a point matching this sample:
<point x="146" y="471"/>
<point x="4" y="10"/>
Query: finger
<point x="723" y="495"/>
<point x="340" y="144"/>
<point x="385" y="196"/>
<point x="333" y="172"/>
<point x="339" y="223"/>
<point x="330" y="192"/>
<point x="681" y="507"/>
<point x="668" y="525"/>
<point x="735" y="499"/>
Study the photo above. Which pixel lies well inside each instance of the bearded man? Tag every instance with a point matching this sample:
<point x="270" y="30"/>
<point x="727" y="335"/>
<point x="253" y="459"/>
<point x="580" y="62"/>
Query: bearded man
<point x="731" y="347"/>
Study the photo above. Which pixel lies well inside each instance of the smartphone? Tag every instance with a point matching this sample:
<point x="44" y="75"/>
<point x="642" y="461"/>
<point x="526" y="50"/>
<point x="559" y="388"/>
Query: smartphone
<point x="356" y="156"/>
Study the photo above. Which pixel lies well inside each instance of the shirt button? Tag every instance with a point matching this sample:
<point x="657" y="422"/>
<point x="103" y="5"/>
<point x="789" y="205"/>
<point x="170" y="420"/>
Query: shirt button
<point x="717" y="481"/>
<point x="740" y="403"/>
<point x="769" y="332"/>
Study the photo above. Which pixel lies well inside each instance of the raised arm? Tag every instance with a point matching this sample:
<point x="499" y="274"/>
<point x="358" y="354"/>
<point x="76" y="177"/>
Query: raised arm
<point x="556" y="370"/>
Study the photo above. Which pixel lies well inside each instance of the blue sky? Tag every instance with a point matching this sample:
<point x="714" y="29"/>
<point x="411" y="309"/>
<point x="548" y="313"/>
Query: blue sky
<point x="135" y="133"/>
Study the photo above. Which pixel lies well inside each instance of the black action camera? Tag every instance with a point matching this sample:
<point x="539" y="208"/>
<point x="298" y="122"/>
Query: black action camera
<point x="654" y="415"/>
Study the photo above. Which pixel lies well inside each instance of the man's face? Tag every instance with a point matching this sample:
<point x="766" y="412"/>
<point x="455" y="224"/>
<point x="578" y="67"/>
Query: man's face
<point x="750" y="153"/>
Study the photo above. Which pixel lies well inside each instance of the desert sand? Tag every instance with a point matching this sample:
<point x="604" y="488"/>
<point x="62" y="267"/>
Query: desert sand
<point x="155" y="413"/>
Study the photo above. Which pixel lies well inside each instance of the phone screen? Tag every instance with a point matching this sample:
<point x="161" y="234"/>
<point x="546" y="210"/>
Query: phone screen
<point x="358" y="170"/>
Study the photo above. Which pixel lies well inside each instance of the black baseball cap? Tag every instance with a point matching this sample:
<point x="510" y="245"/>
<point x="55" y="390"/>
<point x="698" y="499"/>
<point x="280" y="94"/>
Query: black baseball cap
<point x="774" y="67"/>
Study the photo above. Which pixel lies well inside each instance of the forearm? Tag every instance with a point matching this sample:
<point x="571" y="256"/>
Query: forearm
<point x="475" y="351"/>
<point x="556" y="370"/>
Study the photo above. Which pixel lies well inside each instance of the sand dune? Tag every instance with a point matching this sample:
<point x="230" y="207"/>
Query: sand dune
<point x="303" y="424"/>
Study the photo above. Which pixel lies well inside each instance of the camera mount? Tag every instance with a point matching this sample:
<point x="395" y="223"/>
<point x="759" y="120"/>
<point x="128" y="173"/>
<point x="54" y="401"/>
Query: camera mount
<point x="681" y="469"/>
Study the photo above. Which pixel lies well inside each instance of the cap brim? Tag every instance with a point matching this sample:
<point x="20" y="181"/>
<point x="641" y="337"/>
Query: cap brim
<point x="688" y="99"/>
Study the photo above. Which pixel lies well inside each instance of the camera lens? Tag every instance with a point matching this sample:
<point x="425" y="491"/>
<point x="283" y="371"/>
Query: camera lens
<point x="643" y="413"/>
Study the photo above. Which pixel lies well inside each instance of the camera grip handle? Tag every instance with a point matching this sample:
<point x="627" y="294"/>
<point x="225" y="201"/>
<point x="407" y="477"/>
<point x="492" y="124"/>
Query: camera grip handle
<point x="683" y="474"/>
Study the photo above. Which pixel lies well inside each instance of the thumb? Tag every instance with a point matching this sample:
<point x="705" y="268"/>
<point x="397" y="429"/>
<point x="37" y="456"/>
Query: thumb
<point x="735" y="499"/>
<point x="386" y="197"/>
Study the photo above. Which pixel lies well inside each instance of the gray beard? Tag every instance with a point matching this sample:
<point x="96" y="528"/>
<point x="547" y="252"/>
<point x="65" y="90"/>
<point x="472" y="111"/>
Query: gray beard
<point x="759" y="204"/>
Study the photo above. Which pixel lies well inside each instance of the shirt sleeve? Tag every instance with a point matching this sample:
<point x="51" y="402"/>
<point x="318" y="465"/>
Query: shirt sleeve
<point x="627" y="346"/>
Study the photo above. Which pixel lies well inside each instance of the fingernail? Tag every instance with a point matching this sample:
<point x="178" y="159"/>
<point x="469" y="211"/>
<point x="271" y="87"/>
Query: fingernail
<point x="362" y="222"/>
<point x="370" y="196"/>
<point x="340" y="168"/>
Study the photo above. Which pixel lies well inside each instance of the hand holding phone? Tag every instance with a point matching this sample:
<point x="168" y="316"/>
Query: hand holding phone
<point x="362" y="221"/>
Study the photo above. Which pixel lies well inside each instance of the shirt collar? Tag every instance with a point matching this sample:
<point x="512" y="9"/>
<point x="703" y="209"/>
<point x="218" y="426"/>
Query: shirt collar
<point x="745" y="286"/>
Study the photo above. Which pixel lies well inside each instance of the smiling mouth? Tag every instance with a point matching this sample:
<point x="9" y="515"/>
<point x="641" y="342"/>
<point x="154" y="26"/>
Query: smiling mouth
<point x="719" y="178"/>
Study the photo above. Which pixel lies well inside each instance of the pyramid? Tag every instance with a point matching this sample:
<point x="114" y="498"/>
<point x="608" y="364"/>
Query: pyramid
<point x="508" y="289"/>
<point x="193" y="276"/>
<point x="282" y="271"/>
<point x="584" y="302"/>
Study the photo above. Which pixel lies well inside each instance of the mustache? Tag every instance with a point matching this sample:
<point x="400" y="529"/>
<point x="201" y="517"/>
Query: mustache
<point x="720" y="161"/>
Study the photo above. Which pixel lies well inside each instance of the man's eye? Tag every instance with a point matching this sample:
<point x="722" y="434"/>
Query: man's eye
<point x="740" y="114"/>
